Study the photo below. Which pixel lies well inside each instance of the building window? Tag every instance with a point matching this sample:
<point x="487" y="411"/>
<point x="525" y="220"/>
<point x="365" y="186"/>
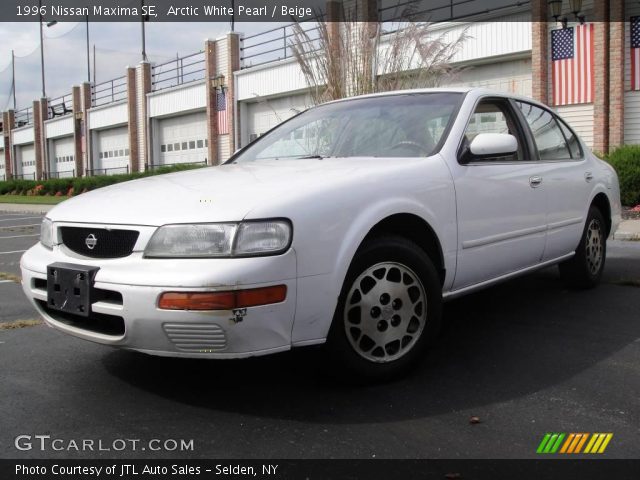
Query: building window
<point x="163" y="148"/>
<point x="200" y="143"/>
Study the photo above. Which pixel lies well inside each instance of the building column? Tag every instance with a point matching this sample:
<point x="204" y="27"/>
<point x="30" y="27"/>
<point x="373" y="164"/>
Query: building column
<point x="233" y="65"/>
<point x="8" y="119"/>
<point x="38" y="137"/>
<point x="616" y="73"/>
<point x="77" y="131"/>
<point x="601" y="76"/>
<point x="143" y="86"/>
<point x="85" y="94"/>
<point x="540" y="51"/>
<point x="210" y="89"/>
<point x="132" y="117"/>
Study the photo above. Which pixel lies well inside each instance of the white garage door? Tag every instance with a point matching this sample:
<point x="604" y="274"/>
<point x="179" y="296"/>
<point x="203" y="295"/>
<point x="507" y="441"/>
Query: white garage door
<point x="27" y="161"/>
<point x="265" y="115"/>
<point x="183" y="139"/>
<point x="113" y="151"/>
<point x="512" y="76"/>
<point x="63" y="157"/>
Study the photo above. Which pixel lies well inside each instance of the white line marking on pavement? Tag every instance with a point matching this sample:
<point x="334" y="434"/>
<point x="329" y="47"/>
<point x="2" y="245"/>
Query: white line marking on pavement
<point x="13" y="251"/>
<point x="21" y="236"/>
<point x="7" y="281"/>
<point x="17" y="226"/>
<point x="12" y="219"/>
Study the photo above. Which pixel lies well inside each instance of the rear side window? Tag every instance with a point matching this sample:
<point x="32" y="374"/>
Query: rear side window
<point x="572" y="140"/>
<point x="549" y="138"/>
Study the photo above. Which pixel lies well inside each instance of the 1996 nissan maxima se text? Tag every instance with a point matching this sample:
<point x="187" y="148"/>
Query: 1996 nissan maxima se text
<point x="349" y="223"/>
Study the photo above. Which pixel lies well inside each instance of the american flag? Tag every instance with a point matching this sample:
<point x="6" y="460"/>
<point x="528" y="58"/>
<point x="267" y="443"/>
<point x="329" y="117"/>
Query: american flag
<point x="635" y="53"/>
<point x="221" y="108"/>
<point x="572" y="64"/>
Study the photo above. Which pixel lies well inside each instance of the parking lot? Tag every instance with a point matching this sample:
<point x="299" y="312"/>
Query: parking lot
<point x="525" y="358"/>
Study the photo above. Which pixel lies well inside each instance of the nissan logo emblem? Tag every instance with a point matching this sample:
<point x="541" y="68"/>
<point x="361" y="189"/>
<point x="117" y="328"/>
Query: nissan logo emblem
<point x="91" y="241"/>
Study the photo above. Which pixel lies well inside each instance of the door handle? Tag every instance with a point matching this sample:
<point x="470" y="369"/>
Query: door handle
<point x="535" y="182"/>
<point x="588" y="176"/>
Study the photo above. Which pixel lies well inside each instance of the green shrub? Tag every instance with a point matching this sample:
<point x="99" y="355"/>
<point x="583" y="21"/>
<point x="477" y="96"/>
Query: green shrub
<point x="626" y="161"/>
<point x="63" y="185"/>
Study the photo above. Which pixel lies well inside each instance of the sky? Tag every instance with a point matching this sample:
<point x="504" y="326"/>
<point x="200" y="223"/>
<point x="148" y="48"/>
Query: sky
<point x="118" y="44"/>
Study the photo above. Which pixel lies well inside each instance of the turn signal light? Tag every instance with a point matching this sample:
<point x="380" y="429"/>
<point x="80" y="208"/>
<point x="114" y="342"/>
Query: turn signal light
<point x="252" y="297"/>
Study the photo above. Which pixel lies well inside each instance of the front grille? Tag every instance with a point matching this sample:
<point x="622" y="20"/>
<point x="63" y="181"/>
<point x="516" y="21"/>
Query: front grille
<point x="99" y="242"/>
<point x="95" y="322"/>
<point x="196" y="337"/>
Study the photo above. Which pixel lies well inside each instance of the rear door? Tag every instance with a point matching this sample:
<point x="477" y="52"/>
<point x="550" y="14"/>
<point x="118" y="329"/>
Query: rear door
<point x="565" y="175"/>
<point x="501" y="209"/>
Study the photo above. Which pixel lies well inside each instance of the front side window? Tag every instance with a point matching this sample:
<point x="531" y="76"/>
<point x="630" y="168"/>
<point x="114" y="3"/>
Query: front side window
<point x="494" y="116"/>
<point x="551" y="142"/>
<point x="410" y="125"/>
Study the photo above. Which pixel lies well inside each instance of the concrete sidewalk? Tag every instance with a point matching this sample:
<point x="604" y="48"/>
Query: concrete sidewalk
<point x="628" y="229"/>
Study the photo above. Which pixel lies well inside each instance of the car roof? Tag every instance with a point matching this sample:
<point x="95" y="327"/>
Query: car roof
<point x="476" y="91"/>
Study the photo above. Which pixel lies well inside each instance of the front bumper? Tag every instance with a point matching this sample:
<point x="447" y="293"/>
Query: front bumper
<point x="129" y="317"/>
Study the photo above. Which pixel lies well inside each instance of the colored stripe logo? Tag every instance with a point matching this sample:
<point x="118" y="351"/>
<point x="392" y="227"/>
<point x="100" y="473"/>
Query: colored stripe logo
<point x="574" y="443"/>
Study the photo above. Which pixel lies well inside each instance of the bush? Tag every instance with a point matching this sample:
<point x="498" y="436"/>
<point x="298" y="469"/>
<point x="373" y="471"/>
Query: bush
<point x="626" y="161"/>
<point x="74" y="186"/>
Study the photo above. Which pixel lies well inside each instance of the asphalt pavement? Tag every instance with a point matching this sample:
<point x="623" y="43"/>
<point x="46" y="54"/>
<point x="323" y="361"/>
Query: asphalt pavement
<point x="526" y="357"/>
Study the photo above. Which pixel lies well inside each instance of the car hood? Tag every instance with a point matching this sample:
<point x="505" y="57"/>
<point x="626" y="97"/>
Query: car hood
<point x="224" y="193"/>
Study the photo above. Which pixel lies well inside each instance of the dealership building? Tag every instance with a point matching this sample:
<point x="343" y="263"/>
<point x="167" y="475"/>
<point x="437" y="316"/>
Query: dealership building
<point x="581" y="58"/>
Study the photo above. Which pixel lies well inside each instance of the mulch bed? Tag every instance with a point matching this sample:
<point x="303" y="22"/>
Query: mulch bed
<point x="631" y="213"/>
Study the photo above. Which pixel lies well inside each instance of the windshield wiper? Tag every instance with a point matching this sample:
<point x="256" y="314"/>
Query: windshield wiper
<point x="319" y="157"/>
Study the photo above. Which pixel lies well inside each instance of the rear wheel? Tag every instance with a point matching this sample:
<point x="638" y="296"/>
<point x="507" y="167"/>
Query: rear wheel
<point x="388" y="311"/>
<point x="585" y="269"/>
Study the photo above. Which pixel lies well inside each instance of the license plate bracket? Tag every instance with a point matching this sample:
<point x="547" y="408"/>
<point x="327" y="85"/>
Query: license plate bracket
<point x="70" y="288"/>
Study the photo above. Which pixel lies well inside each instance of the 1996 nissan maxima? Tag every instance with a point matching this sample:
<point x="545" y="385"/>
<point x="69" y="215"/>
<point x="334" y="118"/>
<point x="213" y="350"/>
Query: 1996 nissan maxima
<point x="348" y="224"/>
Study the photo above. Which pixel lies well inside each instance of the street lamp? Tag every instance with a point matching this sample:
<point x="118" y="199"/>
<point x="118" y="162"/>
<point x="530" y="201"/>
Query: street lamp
<point x="556" y="12"/>
<point x="576" y="8"/>
<point x="86" y="21"/>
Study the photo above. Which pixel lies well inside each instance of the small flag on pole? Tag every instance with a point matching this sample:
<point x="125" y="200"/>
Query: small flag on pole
<point x="572" y="64"/>
<point x="221" y="108"/>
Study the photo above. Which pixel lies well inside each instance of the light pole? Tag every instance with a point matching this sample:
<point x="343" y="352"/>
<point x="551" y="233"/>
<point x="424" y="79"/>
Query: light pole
<point x="88" y="57"/>
<point x="44" y="90"/>
<point x="144" y="40"/>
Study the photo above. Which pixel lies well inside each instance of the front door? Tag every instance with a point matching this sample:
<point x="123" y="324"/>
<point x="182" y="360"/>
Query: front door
<point x="501" y="202"/>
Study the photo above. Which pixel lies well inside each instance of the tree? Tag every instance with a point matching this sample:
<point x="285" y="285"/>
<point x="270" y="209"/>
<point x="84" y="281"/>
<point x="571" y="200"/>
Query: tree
<point x="355" y="58"/>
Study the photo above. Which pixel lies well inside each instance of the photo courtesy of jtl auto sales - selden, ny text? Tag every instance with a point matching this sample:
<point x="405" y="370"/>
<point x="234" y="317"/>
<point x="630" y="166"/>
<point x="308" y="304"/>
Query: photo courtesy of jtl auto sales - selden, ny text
<point x="320" y="239"/>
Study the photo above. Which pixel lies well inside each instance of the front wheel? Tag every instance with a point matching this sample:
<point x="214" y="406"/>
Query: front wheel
<point x="585" y="269"/>
<point x="388" y="312"/>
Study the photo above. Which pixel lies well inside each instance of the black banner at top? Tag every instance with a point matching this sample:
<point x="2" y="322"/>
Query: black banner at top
<point x="282" y="10"/>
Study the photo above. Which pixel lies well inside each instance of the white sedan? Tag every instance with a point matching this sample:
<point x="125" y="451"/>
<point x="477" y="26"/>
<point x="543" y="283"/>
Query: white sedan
<point x="348" y="224"/>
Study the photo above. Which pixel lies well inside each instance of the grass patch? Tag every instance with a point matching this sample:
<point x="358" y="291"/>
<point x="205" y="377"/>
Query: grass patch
<point x="32" y="200"/>
<point x="9" y="276"/>
<point x="19" y="324"/>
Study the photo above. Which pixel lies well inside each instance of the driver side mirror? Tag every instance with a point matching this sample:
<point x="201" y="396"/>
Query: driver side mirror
<point x="490" y="145"/>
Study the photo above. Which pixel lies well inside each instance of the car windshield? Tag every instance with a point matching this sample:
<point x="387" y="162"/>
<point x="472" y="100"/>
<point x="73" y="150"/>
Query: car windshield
<point x="405" y="125"/>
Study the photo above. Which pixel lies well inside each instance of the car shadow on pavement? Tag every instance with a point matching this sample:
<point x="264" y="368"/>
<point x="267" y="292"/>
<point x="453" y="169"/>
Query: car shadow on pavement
<point x="502" y="343"/>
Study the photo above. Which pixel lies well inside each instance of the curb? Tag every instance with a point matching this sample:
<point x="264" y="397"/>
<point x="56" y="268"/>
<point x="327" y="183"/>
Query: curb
<point x="25" y="208"/>
<point x="630" y="236"/>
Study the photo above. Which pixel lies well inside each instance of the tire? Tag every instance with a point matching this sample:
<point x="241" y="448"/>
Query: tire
<point x="585" y="269"/>
<point x="388" y="312"/>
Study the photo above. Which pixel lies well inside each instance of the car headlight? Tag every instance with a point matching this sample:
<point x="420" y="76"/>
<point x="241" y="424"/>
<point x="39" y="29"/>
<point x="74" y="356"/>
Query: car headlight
<point x="46" y="233"/>
<point x="253" y="238"/>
